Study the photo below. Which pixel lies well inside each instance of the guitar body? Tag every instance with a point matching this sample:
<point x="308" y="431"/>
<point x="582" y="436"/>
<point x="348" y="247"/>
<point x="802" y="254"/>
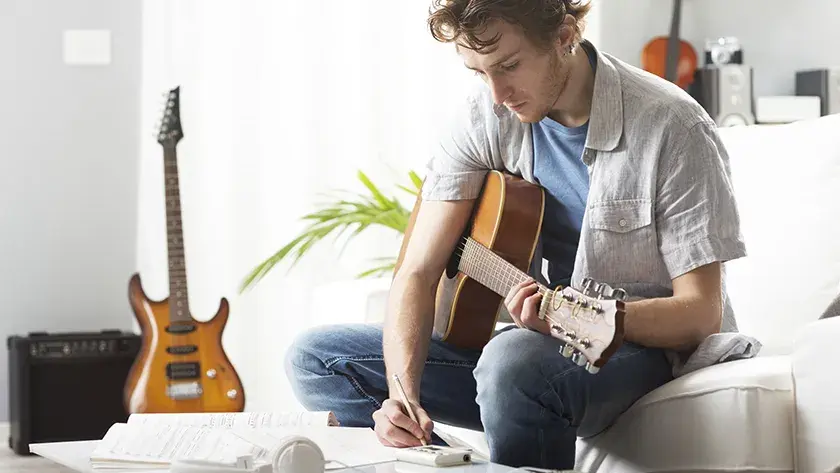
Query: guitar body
<point x="654" y="60"/>
<point x="507" y="219"/>
<point x="208" y="367"/>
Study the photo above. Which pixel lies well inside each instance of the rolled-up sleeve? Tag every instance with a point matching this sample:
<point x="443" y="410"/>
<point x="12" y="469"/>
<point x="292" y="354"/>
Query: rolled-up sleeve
<point x="460" y="157"/>
<point x="696" y="213"/>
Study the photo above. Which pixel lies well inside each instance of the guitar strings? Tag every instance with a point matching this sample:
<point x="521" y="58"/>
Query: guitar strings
<point x="467" y="245"/>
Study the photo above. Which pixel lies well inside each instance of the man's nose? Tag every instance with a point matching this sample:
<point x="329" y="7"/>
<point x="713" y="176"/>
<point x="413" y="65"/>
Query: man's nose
<point x="500" y="91"/>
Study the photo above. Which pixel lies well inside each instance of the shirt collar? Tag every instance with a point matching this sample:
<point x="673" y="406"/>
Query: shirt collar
<point x="606" y="116"/>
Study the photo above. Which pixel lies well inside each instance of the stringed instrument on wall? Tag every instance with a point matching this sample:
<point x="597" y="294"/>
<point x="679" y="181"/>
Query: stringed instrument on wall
<point x="493" y="256"/>
<point x="181" y="366"/>
<point x="671" y="57"/>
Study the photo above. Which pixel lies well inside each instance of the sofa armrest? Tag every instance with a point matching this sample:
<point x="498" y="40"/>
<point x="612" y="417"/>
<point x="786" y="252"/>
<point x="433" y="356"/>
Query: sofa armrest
<point x="816" y="380"/>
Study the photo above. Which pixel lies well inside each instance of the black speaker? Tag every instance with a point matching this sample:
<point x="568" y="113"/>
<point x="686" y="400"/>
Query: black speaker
<point x="822" y="83"/>
<point x="67" y="386"/>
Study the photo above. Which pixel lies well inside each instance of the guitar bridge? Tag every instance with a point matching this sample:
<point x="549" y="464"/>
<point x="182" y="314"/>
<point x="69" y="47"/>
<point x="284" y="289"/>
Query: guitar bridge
<point x="182" y="391"/>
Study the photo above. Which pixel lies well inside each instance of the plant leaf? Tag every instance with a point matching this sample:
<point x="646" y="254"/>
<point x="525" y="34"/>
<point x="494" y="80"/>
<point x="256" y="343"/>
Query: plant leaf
<point x="343" y="211"/>
<point x="418" y="183"/>
<point x="372" y="188"/>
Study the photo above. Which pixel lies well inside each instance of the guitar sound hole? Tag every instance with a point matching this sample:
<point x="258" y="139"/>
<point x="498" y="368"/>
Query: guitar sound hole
<point x="182" y="370"/>
<point x="181" y="349"/>
<point x="455" y="259"/>
<point x="181" y="329"/>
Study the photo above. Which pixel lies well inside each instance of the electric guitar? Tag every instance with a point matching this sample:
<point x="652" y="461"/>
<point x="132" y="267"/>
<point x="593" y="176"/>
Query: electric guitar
<point x="493" y="256"/>
<point x="181" y="366"/>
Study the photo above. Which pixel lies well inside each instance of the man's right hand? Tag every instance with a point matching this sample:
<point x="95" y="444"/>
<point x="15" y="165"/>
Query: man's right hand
<point x="394" y="427"/>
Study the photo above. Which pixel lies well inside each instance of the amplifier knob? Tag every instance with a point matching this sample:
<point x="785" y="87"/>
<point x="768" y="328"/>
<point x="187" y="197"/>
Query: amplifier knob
<point x="231" y="394"/>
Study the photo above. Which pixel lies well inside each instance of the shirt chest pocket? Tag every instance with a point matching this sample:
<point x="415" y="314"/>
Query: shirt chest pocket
<point x="623" y="239"/>
<point x="620" y="216"/>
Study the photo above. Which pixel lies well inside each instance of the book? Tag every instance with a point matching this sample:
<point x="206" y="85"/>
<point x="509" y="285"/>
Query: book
<point x="148" y="442"/>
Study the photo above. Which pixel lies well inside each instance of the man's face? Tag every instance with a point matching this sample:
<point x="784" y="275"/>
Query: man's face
<point x="525" y="79"/>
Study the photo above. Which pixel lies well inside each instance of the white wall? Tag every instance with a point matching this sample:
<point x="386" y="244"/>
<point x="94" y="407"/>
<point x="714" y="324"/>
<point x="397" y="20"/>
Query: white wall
<point x="68" y="186"/>
<point x="778" y="37"/>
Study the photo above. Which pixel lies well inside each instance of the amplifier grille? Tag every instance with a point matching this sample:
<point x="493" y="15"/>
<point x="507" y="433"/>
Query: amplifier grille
<point x="67" y="386"/>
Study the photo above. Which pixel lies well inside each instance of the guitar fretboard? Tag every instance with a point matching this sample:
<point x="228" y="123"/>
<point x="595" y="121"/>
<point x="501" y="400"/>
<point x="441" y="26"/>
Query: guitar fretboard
<point x="178" y="297"/>
<point x="488" y="268"/>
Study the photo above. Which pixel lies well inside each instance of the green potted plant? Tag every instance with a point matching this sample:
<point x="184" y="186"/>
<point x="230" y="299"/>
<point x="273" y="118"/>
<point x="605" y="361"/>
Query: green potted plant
<point x="346" y="211"/>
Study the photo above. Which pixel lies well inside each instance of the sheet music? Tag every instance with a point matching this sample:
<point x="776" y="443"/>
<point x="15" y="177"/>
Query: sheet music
<point x="237" y="419"/>
<point x="160" y="444"/>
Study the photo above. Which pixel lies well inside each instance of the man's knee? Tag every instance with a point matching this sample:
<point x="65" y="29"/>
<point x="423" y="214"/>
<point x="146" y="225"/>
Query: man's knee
<point x="310" y="354"/>
<point x="512" y="360"/>
<point x="303" y="357"/>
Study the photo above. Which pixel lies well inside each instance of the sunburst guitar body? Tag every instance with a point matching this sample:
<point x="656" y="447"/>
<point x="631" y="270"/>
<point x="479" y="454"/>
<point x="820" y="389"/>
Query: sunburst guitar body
<point x="182" y="366"/>
<point x="495" y="254"/>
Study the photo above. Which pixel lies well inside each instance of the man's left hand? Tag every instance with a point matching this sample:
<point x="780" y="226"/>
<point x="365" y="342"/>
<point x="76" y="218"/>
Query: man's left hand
<point x="523" y="302"/>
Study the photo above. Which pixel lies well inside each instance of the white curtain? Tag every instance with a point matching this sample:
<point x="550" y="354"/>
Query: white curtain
<point x="281" y="101"/>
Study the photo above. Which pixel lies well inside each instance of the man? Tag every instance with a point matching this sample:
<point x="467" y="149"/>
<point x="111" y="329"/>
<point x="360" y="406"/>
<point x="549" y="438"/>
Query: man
<point x="638" y="196"/>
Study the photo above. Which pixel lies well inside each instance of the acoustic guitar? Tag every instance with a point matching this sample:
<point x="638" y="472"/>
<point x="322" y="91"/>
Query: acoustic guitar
<point x="493" y="255"/>
<point x="181" y="366"/>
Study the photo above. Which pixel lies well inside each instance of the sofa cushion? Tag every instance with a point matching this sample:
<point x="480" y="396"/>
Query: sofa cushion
<point x="817" y="415"/>
<point x="736" y="416"/>
<point x="786" y="180"/>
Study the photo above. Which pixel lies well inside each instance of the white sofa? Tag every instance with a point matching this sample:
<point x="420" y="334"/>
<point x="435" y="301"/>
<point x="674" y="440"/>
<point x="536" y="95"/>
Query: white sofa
<point x="778" y="412"/>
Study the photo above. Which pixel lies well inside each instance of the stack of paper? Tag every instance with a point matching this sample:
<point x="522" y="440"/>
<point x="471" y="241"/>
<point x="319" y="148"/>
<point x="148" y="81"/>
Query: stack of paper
<point x="150" y="442"/>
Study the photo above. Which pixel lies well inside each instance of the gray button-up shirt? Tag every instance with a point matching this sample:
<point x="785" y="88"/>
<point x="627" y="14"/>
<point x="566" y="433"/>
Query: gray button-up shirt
<point x="661" y="201"/>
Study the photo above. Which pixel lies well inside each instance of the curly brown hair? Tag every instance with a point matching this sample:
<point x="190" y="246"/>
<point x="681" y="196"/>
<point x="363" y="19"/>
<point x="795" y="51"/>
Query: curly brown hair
<point x="453" y="20"/>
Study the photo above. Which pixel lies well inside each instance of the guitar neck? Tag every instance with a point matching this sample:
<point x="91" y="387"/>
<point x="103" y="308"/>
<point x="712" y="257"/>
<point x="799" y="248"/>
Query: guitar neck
<point x="489" y="269"/>
<point x="178" y="297"/>
<point x="672" y="51"/>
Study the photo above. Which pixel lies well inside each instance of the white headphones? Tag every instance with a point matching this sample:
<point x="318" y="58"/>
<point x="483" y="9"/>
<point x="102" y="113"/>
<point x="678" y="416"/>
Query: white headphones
<point x="295" y="454"/>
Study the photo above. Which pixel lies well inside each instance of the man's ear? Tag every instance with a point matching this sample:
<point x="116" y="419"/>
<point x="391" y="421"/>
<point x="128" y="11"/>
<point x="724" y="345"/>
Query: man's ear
<point x="566" y="38"/>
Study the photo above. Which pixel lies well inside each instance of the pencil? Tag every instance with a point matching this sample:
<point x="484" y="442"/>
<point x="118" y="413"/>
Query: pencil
<point x="407" y="405"/>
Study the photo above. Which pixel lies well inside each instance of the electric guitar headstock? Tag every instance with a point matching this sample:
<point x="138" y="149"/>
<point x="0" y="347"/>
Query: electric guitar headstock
<point x="590" y="321"/>
<point x="170" y="132"/>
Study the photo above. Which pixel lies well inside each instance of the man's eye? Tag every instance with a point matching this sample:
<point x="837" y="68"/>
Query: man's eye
<point x="511" y="66"/>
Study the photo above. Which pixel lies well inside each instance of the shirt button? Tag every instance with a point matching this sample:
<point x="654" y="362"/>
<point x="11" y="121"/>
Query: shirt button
<point x="622" y="222"/>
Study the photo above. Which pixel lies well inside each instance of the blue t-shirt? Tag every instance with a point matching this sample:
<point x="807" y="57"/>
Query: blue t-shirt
<point x="559" y="169"/>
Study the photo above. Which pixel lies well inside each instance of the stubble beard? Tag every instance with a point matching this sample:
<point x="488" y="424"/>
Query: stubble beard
<point x="554" y="85"/>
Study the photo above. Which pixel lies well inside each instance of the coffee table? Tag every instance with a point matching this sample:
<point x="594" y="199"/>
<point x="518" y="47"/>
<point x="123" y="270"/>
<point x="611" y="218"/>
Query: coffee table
<point x="75" y="455"/>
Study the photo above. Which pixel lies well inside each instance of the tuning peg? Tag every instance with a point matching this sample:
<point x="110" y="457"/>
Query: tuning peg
<point x="592" y="369"/>
<point x="579" y="359"/>
<point x="587" y="285"/>
<point x="567" y="350"/>
<point x="619" y="294"/>
<point x="599" y="291"/>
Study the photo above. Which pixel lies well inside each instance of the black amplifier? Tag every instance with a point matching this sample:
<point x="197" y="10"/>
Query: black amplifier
<point x="67" y="386"/>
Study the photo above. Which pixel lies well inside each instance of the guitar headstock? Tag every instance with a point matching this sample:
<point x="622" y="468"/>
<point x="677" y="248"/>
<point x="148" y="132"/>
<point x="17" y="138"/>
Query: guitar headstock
<point x="170" y="132"/>
<point x="590" y="322"/>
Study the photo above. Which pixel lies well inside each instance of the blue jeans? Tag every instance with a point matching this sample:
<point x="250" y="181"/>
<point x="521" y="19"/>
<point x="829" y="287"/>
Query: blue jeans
<point x="530" y="401"/>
